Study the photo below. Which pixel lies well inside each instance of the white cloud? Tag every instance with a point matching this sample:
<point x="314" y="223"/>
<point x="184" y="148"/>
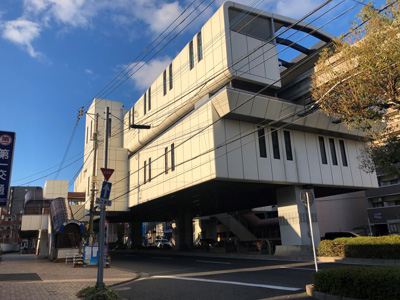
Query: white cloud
<point x="164" y="15"/>
<point x="22" y="32"/>
<point x="149" y="72"/>
<point x="70" y="12"/>
<point x="156" y="14"/>
<point x="89" y="71"/>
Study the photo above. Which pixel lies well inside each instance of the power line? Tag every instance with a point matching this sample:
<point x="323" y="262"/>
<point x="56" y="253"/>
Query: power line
<point x="244" y="101"/>
<point x="128" y="67"/>
<point x="293" y="115"/>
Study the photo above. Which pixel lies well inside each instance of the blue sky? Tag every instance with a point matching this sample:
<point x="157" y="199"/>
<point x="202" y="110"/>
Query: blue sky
<point x="57" y="55"/>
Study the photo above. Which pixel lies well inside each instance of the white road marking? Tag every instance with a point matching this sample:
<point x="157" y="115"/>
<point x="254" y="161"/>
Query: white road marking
<point x="214" y="262"/>
<point x="308" y="269"/>
<point x="266" y="286"/>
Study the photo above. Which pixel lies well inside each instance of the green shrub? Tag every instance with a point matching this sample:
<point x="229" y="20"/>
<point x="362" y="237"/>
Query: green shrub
<point x="95" y="293"/>
<point x="383" y="247"/>
<point x="373" y="283"/>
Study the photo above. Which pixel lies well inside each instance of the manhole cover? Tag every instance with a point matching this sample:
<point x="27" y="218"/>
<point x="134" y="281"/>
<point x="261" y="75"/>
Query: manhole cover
<point x="20" y="277"/>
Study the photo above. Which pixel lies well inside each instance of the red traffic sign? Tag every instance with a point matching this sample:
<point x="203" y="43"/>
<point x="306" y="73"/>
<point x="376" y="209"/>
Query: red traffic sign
<point x="107" y="173"/>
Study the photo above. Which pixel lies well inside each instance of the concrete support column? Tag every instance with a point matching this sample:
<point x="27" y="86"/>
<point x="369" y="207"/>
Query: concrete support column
<point x="294" y="222"/>
<point x="43" y="247"/>
<point x="208" y="228"/>
<point x="183" y="231"/>
<point x="136" y="234"/>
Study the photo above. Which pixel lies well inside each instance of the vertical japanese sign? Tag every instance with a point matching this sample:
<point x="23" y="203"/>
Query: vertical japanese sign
<point x="7" y="142"/>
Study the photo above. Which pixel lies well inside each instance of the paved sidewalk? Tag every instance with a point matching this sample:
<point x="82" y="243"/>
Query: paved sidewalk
<point x="31" y="277"/>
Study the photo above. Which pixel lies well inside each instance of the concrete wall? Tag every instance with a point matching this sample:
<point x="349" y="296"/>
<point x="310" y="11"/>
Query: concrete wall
<point x="343" y="212"/>
<point x="55" y="188"/>
<point x="35" y="222"/>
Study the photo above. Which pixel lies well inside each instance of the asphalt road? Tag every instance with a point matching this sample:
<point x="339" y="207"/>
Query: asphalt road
<point x="164" y="276"/>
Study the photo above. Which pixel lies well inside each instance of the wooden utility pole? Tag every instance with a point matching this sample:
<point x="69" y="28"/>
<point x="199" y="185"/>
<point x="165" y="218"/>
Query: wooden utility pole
<point x="93" y="189"/>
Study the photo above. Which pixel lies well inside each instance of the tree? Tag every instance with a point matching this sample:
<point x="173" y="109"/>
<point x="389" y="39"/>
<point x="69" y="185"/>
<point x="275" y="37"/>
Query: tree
<point x="357" y="81"/>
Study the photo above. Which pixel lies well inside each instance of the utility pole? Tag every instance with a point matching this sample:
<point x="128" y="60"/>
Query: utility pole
<point x="100" y="265"/>
<point x="93" y="189"/>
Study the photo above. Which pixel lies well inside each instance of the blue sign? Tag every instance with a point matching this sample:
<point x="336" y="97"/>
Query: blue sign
<point x="7" y="142"/>
<point x="91" y="254"/>
<point x="105" y="190"/>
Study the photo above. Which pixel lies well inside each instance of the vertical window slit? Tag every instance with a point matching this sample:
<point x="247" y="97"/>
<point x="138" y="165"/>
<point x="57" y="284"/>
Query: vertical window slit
<point x="149" y="98"/>
<point x="166" y="159"/>
<point x="275" y="143"/>
<point x="322" y="150"/>
<point x="144" y="173"/>
<point x="261" y="142"/>
<point x="288" y="145"/>
<point x="191" y="57"/>
<point x="165" y="82"/>
<point x="149" y="169"/>
<point x="199" y="47"/>
<point x="333" y="151"/>
<point x="170" y="77"/>
<point x="343" y="153"/>
<point x="172" y="157"/>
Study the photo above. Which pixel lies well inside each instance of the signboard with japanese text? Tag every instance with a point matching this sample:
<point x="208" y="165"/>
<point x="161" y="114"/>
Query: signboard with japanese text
<point x="7" y="143"/>
<point x="91" y="254"/>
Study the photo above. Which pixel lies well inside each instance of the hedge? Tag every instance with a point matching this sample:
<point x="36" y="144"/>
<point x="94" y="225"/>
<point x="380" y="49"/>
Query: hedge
<point x="382" y="247"/>
<point x="374" y="283"/>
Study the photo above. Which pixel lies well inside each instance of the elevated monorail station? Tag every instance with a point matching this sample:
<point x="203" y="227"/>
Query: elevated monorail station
<point x="232" y="128"/>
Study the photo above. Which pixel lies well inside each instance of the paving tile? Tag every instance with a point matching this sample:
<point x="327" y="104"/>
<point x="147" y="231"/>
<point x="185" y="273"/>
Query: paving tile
<point x="56" y="280"/>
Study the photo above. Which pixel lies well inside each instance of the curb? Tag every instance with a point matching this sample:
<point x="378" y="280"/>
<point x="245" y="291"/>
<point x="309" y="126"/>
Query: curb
<point x="320" y="259"/>
<point x="126" y="281"/>
<point x="322" y="296"/>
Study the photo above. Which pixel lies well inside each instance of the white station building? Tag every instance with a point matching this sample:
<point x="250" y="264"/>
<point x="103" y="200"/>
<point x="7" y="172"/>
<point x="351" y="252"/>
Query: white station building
<point x="231" y="128"/>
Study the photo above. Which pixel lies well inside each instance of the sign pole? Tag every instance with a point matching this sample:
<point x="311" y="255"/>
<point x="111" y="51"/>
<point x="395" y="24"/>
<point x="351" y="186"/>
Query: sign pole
<point x="311" y="231"/>
<point x="100" y="270"/>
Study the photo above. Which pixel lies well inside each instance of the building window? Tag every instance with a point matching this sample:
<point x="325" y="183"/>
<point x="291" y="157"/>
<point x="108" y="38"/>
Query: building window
<point x="250" y="24"/>
<point x="323" y="150"/>
<point x="191" y="56"/>
<point x="170" y="76"/>
<point x="144" y="104"/>
<point x="149" y="98"/>
<point x="343" y="153"/>
<point x="165" y="82"/>
<point x="288" y="145"/>
<point x="144" y="173"/>
<point x="166" y="159"/>
<point x="199" y="47"/>
<point x="149" y="169"/>
<point x="91" y="129"/>
<point x="275" y="144"/>
<point x="172" y="157"/>
<point x="261" y="142"/>
<point x="87" y="134"/>
<point x="333" y="151"/>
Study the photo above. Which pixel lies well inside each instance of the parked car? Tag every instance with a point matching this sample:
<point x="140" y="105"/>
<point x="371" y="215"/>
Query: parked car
<point x="339" y="234"/>
<point x="162" y="243"/>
